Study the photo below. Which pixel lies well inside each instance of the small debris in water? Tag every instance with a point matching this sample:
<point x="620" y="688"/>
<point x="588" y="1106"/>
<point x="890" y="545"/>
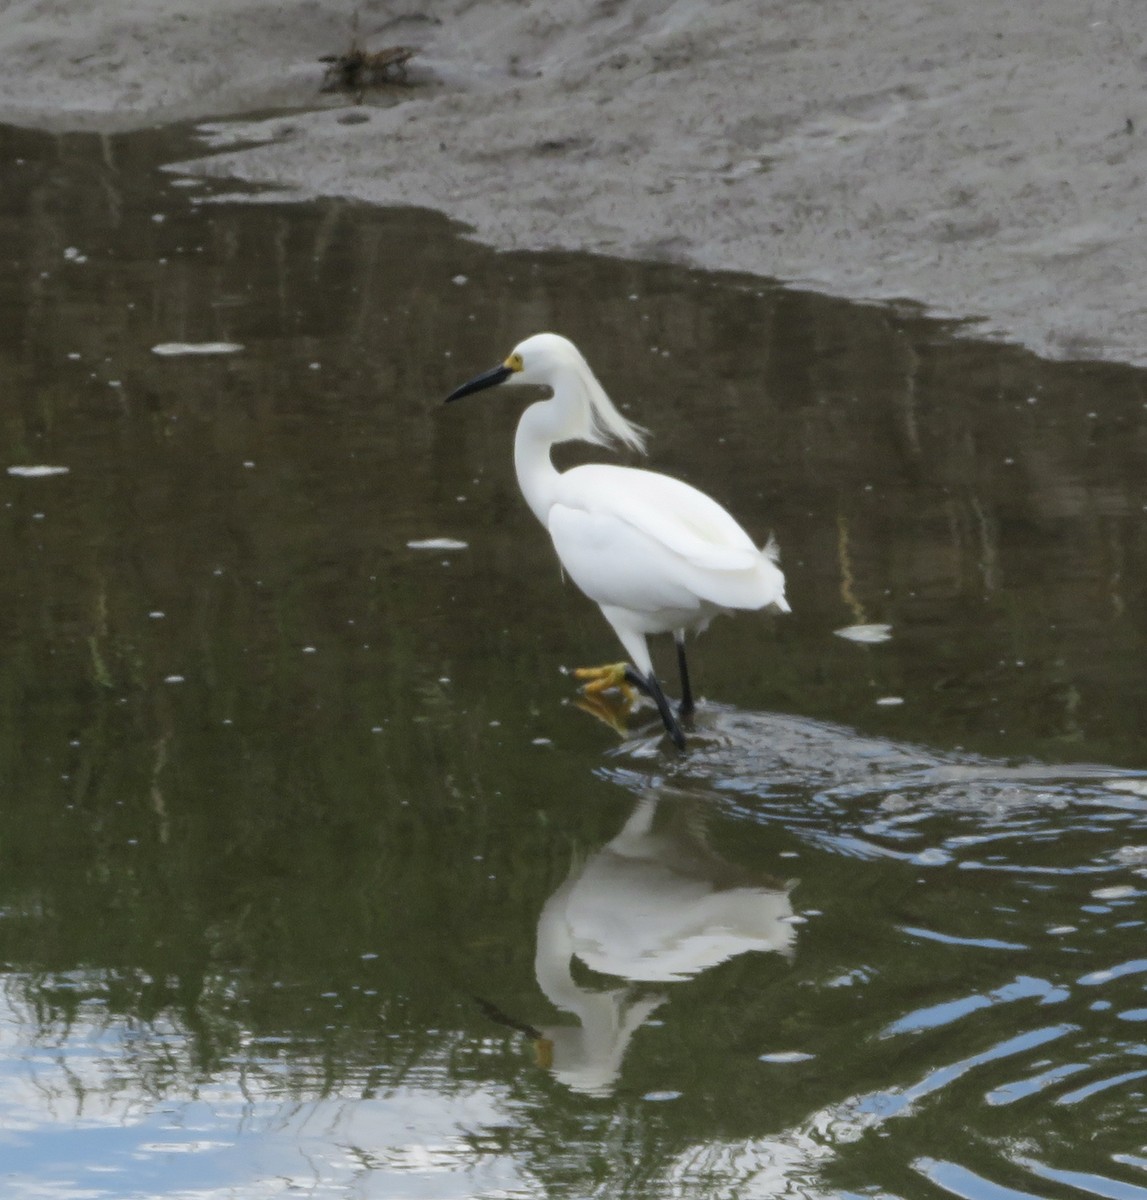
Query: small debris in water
<point x="870" y="635"/>
<point x="171" y="349"/>
<point x="850" y="978"/>
<point x="1121" y="892"/>
<point x="437" y="544"/>
<point x="658" y="1097"/>
<point x="173" y="679"/>
<point x="1137" y="787"/>
<point x="890" y="701"/>
<point x="37" y="472"/>
<point x="785" y="1056"/>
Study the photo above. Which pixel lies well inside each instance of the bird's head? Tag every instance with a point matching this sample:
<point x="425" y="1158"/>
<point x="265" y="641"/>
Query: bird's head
<point x="537" y="360"/>
<point x="552" y="361"/>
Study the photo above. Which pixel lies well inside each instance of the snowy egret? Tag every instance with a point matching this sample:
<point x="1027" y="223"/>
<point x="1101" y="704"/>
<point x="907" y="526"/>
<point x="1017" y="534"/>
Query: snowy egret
<point x="656" y="555"/>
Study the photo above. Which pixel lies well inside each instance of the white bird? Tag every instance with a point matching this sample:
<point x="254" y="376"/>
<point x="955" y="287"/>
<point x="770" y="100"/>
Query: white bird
<point x="656" y="555"/>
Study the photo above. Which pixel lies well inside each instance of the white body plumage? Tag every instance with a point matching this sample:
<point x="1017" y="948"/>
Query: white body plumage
<point x="655" y="554"/>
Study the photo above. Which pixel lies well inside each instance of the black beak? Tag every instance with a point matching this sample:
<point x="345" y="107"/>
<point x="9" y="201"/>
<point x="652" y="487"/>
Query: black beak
<point x="479" y="383"/>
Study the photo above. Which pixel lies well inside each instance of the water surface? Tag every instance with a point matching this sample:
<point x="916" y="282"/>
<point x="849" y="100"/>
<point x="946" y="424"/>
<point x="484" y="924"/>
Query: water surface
<point x="313" y="878"/>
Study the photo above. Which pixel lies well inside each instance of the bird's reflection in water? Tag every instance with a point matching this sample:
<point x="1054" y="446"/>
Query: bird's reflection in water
<point x="654" y="905"/>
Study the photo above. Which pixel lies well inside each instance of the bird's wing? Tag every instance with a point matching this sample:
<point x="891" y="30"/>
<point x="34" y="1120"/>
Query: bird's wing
<point x="672" y="513"/>
<point x="616" y="564"/>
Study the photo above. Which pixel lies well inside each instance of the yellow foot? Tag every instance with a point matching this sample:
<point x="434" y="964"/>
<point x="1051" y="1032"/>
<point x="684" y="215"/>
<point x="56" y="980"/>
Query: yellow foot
<point x="602" y="679"/>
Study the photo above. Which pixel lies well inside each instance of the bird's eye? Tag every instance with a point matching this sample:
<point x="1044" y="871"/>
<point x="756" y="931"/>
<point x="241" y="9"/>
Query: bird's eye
<point x="514" y="362"/>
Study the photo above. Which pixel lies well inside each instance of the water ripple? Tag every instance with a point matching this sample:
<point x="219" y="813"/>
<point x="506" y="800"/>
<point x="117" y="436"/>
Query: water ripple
<point x="1093" y="1185"/>
<point x="951" y="871"/>
<point x="960" y="1181"/>
<point x="1023" y="988"/>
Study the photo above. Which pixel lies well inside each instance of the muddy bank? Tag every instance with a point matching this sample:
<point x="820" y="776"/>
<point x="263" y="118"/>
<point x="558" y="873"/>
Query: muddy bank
<point x="983" y="158"/>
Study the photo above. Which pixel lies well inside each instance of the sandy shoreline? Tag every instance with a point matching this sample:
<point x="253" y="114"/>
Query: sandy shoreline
<point x="986" y="159"/>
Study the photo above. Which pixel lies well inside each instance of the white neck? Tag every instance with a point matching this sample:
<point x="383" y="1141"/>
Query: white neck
<point x="586" y="1057"/>
<point x="542" y="424"/>
<point x="554" y="950"/>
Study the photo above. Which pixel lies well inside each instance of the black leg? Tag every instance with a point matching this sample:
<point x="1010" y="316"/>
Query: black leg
<point x="634" y="677"/>
<point x="685" y="708"/>
<point x="671" y="726"/>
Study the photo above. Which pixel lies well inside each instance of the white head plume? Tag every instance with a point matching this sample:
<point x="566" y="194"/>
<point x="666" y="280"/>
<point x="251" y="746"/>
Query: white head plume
<point x="546" y="356"/>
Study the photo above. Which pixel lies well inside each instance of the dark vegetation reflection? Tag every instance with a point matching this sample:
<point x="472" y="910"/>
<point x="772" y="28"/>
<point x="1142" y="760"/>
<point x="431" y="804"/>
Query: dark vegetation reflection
<point x="283" y="798"/>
